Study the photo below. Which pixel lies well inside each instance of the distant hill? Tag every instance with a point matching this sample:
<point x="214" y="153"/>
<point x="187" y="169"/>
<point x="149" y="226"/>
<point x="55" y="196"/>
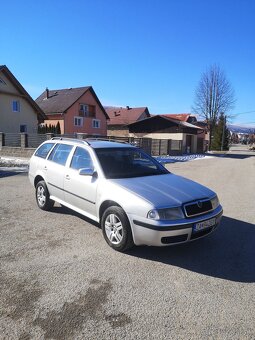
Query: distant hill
<point x="241" y="129"/>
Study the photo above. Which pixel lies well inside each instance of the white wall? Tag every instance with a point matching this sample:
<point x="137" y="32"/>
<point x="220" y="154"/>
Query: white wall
<point x="10" y="121"/>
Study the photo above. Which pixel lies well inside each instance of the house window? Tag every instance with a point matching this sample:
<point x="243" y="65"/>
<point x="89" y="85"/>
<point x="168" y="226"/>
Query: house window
<point x="15" y="106"/>
<point x="23" y="128"/>
<point x="78" y="121"/>
<point x="92" y="111"/>
<point x="96" y="123"/>
<point x="87" y="110"/>
<point x="83" y="111"/>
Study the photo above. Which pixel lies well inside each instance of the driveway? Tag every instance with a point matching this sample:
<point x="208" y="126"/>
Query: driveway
<point x="60" y="280"/>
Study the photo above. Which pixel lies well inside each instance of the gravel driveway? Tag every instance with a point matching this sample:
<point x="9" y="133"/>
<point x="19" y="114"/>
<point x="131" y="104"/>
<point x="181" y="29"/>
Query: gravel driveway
<point x="60" y="280"/>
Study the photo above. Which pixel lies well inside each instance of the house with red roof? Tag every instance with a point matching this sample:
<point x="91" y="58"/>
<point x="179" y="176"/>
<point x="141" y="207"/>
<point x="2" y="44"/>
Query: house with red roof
<point x="121" y="117"/>
<point x="78" y="110"/>
<point x="180" y="132"/>
<point x="202" y="136"/>
<point x="181" y="135"/>
<point x="184" y="117"/>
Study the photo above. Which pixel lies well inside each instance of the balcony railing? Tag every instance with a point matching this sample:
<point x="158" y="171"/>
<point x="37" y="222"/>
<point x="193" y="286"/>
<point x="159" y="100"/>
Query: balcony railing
<point x="83" y="113"/>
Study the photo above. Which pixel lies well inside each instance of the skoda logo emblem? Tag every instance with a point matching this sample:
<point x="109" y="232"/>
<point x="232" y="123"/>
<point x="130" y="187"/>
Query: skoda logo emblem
<point x="199" y="204"/>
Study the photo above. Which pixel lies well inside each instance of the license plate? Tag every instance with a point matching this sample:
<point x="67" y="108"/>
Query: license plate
<point x="205" y="224"/>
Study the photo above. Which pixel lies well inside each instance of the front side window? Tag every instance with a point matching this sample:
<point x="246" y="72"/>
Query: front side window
<point x="96" y="123"/>
<point x="127" y="163"/>
<point x="81" y="159"/>
<point x="60" y="153"/>
<point x="78" y="121"/>
<point x="15" y="106"/>
<point x="43" y="150"/>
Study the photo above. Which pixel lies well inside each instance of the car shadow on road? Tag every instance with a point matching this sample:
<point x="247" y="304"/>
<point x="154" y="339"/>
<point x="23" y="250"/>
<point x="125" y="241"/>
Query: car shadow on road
<point x="61" y="209"/>
<point x="239" y="156"/>
<point x="228" y="253"/>
<point x="8" y="173"/>
<point x="233" y="155"/>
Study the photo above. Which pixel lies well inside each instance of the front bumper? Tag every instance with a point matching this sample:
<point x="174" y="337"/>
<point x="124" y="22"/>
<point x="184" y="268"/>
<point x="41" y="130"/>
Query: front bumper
<point x="163" y="233"/>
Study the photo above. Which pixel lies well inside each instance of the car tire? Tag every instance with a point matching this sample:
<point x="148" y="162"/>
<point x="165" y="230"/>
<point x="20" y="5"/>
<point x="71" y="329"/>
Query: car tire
<point x="42" y="196"/>
<point x="116" y="229"/>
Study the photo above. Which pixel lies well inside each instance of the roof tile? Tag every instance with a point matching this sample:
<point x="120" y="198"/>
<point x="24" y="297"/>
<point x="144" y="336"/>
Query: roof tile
<point x="59" y="101"/>
<point x="179" y="116"/>
<point x="124" y="116"/>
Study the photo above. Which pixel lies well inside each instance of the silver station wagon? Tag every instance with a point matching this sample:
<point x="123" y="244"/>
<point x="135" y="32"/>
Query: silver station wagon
<point x="134" y="198"/>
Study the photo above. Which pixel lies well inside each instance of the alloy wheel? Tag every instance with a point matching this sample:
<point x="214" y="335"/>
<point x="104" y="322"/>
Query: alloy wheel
<point x="41" y="196"/>
<point x="114" y="229"/>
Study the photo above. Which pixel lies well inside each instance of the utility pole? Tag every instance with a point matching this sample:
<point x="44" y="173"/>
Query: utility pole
<point x="223" y="132"/>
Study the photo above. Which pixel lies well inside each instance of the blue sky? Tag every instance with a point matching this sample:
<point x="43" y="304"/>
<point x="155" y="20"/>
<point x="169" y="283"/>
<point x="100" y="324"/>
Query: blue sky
<point x="133" y="52"/>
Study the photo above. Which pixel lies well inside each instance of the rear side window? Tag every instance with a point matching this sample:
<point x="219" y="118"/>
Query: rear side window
<point x="44" y="150"/>
<point x="60" y="153"/>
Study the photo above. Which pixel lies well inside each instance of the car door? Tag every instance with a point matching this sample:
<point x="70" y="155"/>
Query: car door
<point x="54" y="169"/>
<point x="81" y="190"/>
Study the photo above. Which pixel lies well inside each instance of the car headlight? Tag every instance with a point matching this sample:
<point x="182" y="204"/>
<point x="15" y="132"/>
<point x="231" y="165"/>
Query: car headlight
<point x="165" y="214"/>
<point x="215" y="202"/>
<point x="153" y="214"/>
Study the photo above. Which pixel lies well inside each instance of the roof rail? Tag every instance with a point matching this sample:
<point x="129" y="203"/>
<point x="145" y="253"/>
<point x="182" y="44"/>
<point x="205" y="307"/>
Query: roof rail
<point x="108" y="140"/>
<point x="80" y="141"/>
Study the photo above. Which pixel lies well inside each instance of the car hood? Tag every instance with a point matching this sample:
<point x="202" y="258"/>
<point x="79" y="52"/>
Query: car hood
<point x="165" y="190"/>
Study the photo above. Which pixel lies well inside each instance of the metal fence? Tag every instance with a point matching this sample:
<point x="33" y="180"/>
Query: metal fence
<point x="34" y="140"/>
<point x="12" y="139"/>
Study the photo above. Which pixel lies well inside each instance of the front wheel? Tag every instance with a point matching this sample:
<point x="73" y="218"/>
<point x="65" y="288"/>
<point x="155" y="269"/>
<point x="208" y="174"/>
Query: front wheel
<point x="116" y="229"/>
<point x="42" y="196"/>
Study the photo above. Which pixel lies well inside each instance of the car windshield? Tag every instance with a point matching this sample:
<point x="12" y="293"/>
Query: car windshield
<point x="127" y="163"/>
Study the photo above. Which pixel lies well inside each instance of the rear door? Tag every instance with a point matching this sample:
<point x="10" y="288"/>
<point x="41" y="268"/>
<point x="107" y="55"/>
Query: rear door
<point x="54" y="169"/>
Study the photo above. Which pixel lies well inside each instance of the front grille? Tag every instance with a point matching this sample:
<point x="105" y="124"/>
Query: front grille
<point x="197" y="208"/>
<point x="174" y="239"/>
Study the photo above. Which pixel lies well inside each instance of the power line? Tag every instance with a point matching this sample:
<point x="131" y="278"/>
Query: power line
<point x="247" y="123"/>
<point x="243" y="113"/>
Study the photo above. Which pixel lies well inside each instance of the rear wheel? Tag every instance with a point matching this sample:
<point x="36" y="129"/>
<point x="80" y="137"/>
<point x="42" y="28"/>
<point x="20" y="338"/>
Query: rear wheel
<point x="42" y="196"/>
<point x="116" y="229"/>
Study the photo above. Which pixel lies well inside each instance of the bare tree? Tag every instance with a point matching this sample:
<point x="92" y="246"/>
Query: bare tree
<point x="214" y="95"/>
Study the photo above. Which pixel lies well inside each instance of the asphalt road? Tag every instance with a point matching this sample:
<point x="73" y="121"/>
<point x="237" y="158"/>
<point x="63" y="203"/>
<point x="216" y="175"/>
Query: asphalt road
<point x="60" y="280"/>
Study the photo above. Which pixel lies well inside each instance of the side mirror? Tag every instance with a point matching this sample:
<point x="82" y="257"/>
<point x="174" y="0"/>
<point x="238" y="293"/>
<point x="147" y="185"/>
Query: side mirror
<point x="87" y="172"/>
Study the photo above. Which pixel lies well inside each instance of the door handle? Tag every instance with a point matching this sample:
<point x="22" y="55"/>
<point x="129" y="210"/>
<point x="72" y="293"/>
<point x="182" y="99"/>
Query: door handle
<point x="68" y="177"/>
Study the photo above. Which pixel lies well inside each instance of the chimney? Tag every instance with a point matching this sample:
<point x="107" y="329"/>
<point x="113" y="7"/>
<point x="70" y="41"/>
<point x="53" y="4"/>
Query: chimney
<point x="47" y="93"/>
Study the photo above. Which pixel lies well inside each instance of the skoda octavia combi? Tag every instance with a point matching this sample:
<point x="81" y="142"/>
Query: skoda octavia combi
<point x="134" y="198"/>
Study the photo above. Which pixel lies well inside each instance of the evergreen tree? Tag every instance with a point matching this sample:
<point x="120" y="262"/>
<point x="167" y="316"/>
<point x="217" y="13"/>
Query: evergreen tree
<point x="41" y="129"/>
<point x="220" y="135"/>
<point x="58" y="130"/>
